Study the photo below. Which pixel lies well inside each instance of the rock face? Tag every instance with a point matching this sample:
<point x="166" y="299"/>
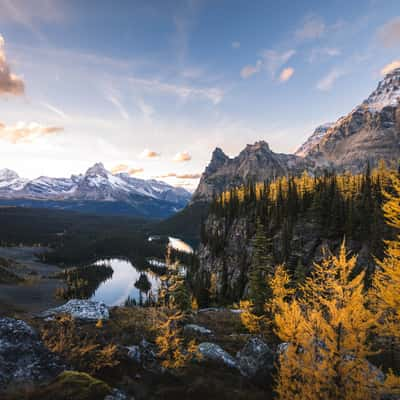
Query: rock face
<point x="214" y="352"/>
<point x="145" y="354"/>
<point x="23" y="357"/>
<point x="371" y="132"/>
<point x="256" y="360"/>
<point x="80" y="309"/>
<point x="255" y="163"/>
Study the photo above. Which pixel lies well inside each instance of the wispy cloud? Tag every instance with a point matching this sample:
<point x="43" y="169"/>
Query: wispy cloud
<point x="271" y="61"/>
<point x="213" y="94"/>
<point x="389" y="34"/>
<point x="179" y="176"/>
<point x="183" y="156"/>
<point x="390" y="67"/>
<point x="54" y="109"/>
<point x="119" y="168"/>
<point x="26" y="132"/>
<point x="30" y="14"/>
<point x="235" y="45"/>
<point x="313" y="27"/>
<point x="9" y="82"/>
<point x="248" y="70"/>
<point x="323" y="53"/>
<point x="146" y="153"/>
<point x="327" y="82"/>
<point x="135" y="171"/>
<point x="274" y="60"/>
<point x="286" y="74"/>
<point x="119" y="106"/>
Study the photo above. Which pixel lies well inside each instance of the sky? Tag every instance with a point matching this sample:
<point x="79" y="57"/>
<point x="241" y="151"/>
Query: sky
<point x="151" y="87"/>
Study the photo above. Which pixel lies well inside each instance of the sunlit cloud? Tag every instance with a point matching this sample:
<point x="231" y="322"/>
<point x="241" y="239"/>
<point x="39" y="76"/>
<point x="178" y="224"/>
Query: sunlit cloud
<point x="286" y="74"/>
<point x="249" y="70"/>
<point x="235" y="45"/>
<point x="213" y="94"/>
<point x="26" y="132"/>
<point x="179" y="176"/>
<point x="182" y="157"/>
<point x="313" y="27"/>
<point x="119" y="168"/>
<point x="389" y="34"/>
<point x="274" y="60"/>
<point x="135" y="171"/>
<point x="327" y="82"/>
<point x="390" y="67"/>
<point x="146" y="153"/>
<point x="9" y="82"/>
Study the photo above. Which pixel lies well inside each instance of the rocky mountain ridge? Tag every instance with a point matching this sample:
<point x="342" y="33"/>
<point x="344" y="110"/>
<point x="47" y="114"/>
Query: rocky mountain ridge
<point x="97" y="185"/>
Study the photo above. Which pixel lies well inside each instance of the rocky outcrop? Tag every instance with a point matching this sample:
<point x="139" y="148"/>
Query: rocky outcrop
<point x="257" y="163"/>
<point x="256" y="360"/>
<point x="23" y="357"/>
<point x="80" y="309"/>
<point x="145" y="355"/>
<point x="197" y="330"/>
<point x="214" y="352"/>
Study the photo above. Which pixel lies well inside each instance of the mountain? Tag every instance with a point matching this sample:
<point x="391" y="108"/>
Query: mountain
<point x="371" y="132"/>
<point x="313" y="140"/>
<point x="257" y="162"/>
<point x="98" y="191"/>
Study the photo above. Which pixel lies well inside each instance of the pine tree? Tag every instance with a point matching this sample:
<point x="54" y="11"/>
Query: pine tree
<point x="261" y="269"/>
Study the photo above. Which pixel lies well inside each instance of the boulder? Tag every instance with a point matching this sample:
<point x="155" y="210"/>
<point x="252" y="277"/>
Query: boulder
<point x="80" y="309"/>
<point x="256" y="360"/>
<point x="145" y="355"/>
<point x="214" y="352"/>
<point x="197" y="329"/>
<point x="23" y="357"/>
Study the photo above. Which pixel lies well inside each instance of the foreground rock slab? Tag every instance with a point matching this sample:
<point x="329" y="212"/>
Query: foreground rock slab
<point x="23" y="357"/>
<point x="214" y="352"/>
<point x="80" y="309"/>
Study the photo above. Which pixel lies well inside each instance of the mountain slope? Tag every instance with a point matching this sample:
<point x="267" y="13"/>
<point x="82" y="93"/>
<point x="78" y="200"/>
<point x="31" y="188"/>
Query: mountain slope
<point x="96" y="191"/>
<point x="371" y="132"/>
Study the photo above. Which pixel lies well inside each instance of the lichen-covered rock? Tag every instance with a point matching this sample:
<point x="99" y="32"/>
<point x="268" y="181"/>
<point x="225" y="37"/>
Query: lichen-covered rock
<point x="256" y="360"/>
<point x="214" y="352"/>
<point x="197" y="329"/>
<point x="80" y="309"/>
<point x="23" y="357"/>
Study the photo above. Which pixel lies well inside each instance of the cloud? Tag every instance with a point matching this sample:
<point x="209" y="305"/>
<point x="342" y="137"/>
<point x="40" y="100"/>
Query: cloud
<point x="182" y="157"/>
<point x="390" y="67"/>
<point x="134" y="171"/>
<point x="250" y="70"/>
<point x="327" y="81"/>
<point x="26" y="132"/>
<point x="235" y="45"/>
<point x="146" y="153"/>
<point x="119" y="106"/>
<point x="389" y="34"/>
<point x="215" y="95"/>
<point x="119" y="168"/>
<point x="321" y="53"/>
<point x="274" y="60"/>
<point x="286" y="74"/>
<point x="313" y="27"/>
<point x="54" y="109"/>
<point x="179" y="176"/>
<point x="9" y="83"/>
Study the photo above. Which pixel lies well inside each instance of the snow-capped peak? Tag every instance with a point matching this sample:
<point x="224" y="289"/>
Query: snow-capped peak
<point x="8" y="175"/>
<point x="313" y="140"/>
<point x="386" y="94"/>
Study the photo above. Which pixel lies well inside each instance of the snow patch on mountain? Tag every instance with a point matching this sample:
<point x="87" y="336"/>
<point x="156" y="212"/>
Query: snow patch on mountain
<point x="313" y="140"/>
